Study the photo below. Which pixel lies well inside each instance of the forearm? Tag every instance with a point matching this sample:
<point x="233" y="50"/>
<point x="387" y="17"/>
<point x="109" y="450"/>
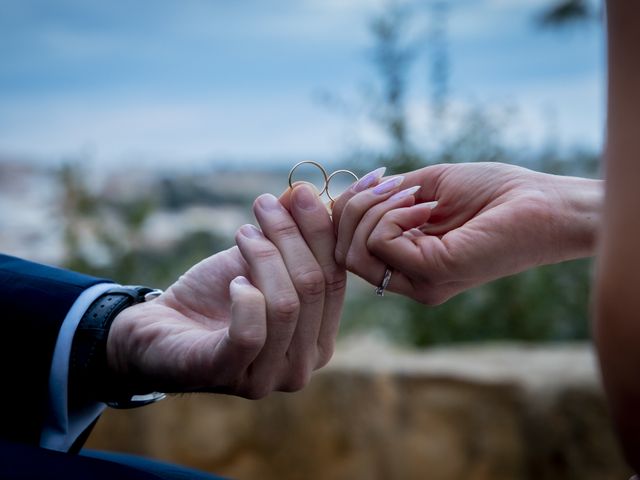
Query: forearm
<point x="617" y="329"/>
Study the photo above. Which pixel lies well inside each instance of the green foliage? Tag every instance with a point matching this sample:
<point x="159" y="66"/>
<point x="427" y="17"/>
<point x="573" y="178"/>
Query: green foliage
<point x="544" y="304"/>
<point x="564" y="12"/>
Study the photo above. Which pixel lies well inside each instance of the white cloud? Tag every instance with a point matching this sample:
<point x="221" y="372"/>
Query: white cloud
<point x="267" y="128"/>
<point x="257" y="128"/>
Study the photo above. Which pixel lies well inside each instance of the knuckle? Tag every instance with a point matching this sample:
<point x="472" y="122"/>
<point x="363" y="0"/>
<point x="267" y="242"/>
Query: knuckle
<point x="256" y="392"/>
<point x="347" y="209"/>
<point x="433" y="298"/>
<point x="374" y="242"/>
<point x="285" y="306"/>
<point x="351" y="261"/>
<point x="310" y="284"/>
<point x="335" y="280"/>
<point x="372" y="214"/>
<point x="285" y="229"/>
<point x="313" y="226"/>
<point x="248" y="339"/>
<point x="325" y="352"/>
<point x="340" y="256"/>
<point x="265" y="252"/>
<point x="296" y="381"/>
<point x="352" y="207"/>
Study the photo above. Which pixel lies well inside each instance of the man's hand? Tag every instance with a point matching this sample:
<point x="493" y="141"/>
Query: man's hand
<point x="491" y="220"/>
<point x="258" y="317"/>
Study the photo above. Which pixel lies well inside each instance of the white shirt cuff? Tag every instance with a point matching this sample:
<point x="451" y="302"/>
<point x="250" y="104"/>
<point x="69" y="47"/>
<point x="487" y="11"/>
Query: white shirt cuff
<point x="62" y="426"/>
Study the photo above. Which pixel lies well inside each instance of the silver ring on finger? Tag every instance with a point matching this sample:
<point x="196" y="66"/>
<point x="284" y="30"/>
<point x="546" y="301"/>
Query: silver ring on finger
<point x="385" y="282"/>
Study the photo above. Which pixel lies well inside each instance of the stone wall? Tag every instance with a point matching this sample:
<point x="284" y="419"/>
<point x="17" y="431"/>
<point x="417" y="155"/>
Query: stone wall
<point x="481" y="413"/>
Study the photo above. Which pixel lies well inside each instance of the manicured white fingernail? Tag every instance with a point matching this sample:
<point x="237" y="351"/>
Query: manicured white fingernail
<point x="388" y="185"/>
<point x="405" y="193"/>
<point x="369" y="179"/>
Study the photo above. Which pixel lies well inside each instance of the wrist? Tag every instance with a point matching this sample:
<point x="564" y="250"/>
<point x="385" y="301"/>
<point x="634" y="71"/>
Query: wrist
<point x="94" y="375"/>
<point x="117" y="360"/>
<point x="578" y="214"/>
<point x="122" y="350"/>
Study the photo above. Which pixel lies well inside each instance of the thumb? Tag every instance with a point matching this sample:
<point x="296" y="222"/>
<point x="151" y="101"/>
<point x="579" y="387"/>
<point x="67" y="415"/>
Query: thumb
<point x="247" y="331"/>
<point x="400" y="220"/>
<point x="286" y="196"/>
<point x="397" y="242"/>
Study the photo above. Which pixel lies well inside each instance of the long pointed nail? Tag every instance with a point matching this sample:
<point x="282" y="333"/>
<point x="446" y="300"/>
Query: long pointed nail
<point x="369" y="179"/>
<point x="388" y="185"/>
<point x="404" y="193"/>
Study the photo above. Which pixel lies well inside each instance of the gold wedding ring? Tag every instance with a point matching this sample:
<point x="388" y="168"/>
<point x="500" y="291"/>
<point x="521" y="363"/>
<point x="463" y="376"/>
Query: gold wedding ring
<point x="326" y="188"/>
<point x="315" y="164"/>
<point x="327" y="177"/>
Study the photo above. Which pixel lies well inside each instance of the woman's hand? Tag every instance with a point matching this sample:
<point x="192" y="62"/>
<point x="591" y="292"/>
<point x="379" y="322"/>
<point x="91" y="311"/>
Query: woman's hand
<point x="490" y="220"/>
<point x="258" y="317"/>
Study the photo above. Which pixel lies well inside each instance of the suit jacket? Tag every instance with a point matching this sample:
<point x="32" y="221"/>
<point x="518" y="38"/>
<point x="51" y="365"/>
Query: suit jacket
<point x="34" y="300"/>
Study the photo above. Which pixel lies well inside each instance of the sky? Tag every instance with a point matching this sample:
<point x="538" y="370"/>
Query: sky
<point x="201" y="81"/>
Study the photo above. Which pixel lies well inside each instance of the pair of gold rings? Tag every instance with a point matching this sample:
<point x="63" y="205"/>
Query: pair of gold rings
<point x="325" y="189"/>
<point x="327" y="177"/>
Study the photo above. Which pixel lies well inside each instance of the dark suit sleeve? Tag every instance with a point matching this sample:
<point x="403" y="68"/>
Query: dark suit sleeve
<point x="34" y="300"/>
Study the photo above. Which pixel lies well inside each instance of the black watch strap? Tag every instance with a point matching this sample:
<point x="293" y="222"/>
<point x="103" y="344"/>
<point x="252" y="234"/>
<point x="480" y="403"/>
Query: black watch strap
<point x="89" y="377"/>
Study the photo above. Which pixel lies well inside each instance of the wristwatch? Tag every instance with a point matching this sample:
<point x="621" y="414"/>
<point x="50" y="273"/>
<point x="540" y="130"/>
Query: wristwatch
<point x="89" y="376"/>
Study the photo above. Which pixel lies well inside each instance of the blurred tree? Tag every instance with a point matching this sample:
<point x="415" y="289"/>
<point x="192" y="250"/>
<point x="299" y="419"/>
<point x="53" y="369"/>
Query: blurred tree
<point x="438" y="50"/>
<point x="567" y="12"/>
<point x="394" y="52"/>
<point x="392" y="57"/>
<point x="543" y="304"/>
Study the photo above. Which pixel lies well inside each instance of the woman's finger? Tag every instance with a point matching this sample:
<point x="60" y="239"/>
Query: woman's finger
<point x="367" y="181"/>
<point x="396" y="241"/>
<point x="360" y="260"/>
<point x="356" y="208"/>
